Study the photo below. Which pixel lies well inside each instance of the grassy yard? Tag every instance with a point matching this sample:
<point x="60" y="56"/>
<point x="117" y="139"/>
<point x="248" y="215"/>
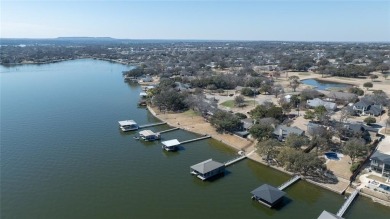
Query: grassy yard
<point x="230" y="103"/>
<point x="191" y="113"/>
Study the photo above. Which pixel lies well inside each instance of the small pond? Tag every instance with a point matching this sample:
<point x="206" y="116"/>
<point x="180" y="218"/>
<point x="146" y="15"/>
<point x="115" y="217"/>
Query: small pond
<point x="324" y="85"/>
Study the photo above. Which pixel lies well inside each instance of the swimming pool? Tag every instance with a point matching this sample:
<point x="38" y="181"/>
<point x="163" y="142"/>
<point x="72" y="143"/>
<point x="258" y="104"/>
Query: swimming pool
<point x="384" y="187"/>
<point x="331" y="156"/>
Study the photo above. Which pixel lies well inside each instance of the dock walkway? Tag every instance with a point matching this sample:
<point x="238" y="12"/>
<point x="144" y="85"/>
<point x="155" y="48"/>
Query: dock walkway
<point x="347" y="203"/>
<point x="152" y="124"/>
<point x="289" y="182"/>
<point x="230" y="162"/>
<point x="195" y="139"/>
<point x="169" y="130"/>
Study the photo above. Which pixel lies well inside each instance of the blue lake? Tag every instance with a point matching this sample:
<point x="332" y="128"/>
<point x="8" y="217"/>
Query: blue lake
<point x="63" y="156"/>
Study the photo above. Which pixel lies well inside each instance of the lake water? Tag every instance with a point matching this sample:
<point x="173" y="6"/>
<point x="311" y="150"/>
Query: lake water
<point x="324" y="85"/>
<point x="63" y="156"/>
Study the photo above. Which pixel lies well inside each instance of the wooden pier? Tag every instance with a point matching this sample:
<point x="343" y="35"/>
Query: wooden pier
<point x="347" y="203"/>
<point x="196" y="139"/>
<point x="230" y="162"/>
<point x="152" y="124"/>
<point x="168" y="130"/>
<point x="289" y="182"/>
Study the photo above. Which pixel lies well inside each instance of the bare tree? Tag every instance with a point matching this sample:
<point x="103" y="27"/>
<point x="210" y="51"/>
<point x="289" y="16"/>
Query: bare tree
<point x="346" y="113"/>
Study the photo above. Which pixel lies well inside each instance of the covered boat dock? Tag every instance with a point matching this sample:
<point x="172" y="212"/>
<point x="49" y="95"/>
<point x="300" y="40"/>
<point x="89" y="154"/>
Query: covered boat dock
<point x="148" y="135"/>
<point x="171" y="145"/>
<point x="268" y="195"/>
<point x="207" y="169"/>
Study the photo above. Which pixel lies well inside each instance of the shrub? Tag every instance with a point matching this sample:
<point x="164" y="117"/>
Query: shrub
<point x="369" y="120"/>
<point x="246" y="91"/>
<point x="241" y="115"/>
<point x="354" y="167"/>
<point x="356" y="90"/>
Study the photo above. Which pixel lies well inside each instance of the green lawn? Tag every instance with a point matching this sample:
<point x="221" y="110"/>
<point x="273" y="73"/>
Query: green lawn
<point x="191" y="113"/>
<point x="230" y="103"/>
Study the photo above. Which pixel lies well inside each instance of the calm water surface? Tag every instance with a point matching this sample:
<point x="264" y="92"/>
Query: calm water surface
<point x="324" y="85"/>
<point x="63" y="156"/>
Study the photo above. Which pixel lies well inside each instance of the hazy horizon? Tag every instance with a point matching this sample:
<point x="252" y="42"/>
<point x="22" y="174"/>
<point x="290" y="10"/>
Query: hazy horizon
<point x="302" y="21"/>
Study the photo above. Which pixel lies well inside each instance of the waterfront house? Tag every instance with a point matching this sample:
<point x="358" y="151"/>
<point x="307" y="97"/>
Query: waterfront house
<point x="171" y="145"/>
<point x="268" y="195"/>
<point x="328" y="215"/>
<point x="365" y="107"/>
<point x="343" y="97"/>
<point x="246" y="125"/>
<point x="282" y="131"/>
<point x="148" y="135"/>
<point x="316" y="102"/>
<point x="380" y="160"/>
<point x="128" y="125"/>
<point x="207" y="169"/>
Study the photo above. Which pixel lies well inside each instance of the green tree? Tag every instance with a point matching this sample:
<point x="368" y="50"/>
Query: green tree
<point x="309" y="114"/>
<point x="241" y="115"/>
<point x="239" y="101"/>
<point x="321" y="113"/>
<point x="246" y="91"/>
<point x="369" y="120"/>
<point x="170" y="100"/>
<point x="267" y="110"/>
<point x="261" y="131"/>
<point x="354" y="148"/>
<point x="296" y="141"/>
<point x="225" y="121"/>
<point x="368" y="85"/>
<point x="356" y="90"/>
<point x="267" y="148"/>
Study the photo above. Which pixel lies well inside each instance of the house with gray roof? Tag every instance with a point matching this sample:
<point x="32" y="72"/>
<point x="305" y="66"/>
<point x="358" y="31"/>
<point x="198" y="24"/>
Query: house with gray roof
<point x="268" y="195"/>
<point x="341" y="96"/>
<point x="316" y="102"/>
<point x="380" y="160"/>
<point x="207" y="169"/>
<point x="314" y="128"/>
<point x="282" y="131"/>
<point x="365" y="107"/>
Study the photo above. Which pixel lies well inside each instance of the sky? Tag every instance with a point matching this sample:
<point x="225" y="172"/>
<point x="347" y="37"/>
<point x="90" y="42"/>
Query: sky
<point x="293" y="20"/>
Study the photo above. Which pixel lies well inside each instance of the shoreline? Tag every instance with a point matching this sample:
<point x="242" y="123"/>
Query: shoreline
<point x="341" y="187"/>
<point x="338" y="188"/>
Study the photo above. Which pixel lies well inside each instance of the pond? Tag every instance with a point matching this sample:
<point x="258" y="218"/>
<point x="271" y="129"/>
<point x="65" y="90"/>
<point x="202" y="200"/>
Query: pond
<point x="324" y="85"/>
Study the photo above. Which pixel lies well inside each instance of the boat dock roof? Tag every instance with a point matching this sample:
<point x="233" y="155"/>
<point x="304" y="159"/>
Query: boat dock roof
<point x="127" y="122"/>
<point x="147" y="133"/>
<point x="207" y="166"/>
<point x="269" y="195"/>
<point x="170" y="143"/>
<point x="328" y="215"/>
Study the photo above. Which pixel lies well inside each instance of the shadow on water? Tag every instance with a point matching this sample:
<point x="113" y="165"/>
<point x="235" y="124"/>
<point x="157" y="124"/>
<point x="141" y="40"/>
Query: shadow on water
<point x="211" y="180"/>
<point x="271" y="211"/>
